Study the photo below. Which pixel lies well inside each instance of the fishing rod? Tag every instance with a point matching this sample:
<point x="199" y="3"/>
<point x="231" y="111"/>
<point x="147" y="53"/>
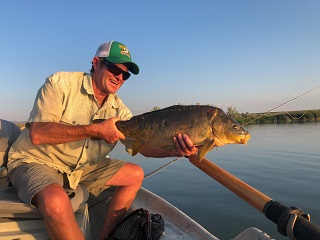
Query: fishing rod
<point x="291" y="222"/>
<point x="282" y="105"/>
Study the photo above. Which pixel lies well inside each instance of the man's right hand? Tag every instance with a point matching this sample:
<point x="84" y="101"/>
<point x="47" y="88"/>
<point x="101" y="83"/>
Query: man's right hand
<point x="108" y="131"/>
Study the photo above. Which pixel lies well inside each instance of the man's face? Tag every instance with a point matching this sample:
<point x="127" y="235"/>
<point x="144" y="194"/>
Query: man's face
<point x="105" y="80"/>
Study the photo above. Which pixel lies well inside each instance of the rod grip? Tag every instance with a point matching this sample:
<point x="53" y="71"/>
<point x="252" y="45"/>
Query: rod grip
<point x="302" y="227"/>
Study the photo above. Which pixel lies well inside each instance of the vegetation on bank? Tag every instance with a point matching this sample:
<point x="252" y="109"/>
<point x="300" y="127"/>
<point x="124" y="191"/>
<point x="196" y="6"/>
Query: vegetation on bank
<point x="301" y="116"/>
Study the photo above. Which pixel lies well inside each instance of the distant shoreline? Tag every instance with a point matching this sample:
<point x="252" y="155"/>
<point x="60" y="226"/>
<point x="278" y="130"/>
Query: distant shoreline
<point x="301" y="116"/>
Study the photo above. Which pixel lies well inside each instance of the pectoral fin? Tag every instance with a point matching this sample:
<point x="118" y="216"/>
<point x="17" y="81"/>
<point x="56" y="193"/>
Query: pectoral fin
<point x="205" y="149"/>
<point x="137" y="145"/>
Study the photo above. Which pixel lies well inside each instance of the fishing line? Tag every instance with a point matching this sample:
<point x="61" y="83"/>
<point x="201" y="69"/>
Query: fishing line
<point x="281" y="105"/>
<point x="296" y="118"/>
<point x="161" y="168"/>
<point x="289" y="118"/>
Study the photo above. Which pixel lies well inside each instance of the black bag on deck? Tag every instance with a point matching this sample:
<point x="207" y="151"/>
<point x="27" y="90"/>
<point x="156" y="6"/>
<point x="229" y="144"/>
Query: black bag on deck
<point x="139" y="225"/>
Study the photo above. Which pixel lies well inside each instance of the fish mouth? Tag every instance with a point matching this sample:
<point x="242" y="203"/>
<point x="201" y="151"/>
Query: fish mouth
<point x="245" y="139"/>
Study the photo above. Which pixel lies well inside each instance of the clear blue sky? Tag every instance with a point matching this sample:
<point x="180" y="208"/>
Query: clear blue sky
<point x="252" y="55"/>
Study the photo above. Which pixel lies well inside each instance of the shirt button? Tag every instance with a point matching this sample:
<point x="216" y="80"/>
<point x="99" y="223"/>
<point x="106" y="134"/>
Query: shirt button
<point x="74" y="122"/>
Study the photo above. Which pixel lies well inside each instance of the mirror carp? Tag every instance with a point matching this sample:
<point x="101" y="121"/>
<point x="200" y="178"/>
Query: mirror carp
<point x="200" y="122"/>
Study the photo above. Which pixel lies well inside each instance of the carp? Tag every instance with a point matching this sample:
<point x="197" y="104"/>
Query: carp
<point x="200" y="122"/>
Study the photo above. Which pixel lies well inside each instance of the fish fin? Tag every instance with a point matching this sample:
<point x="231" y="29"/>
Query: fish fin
<point x="205" y="149"/>
<point x="136" y="147"/>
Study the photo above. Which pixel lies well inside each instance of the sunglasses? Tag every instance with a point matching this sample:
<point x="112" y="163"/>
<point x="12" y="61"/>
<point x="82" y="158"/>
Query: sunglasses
<point x="115" y="70"/>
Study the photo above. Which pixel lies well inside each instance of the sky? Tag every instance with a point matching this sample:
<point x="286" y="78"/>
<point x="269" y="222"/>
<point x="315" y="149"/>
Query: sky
<point x="251" y="55"/>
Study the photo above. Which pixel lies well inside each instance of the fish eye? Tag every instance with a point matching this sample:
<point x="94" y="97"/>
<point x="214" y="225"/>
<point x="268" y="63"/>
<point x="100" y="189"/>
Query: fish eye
<point x="235" y="127"/>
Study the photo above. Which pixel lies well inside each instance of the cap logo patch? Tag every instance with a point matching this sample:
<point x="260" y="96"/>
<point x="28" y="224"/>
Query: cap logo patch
<point x="124" y="50"/>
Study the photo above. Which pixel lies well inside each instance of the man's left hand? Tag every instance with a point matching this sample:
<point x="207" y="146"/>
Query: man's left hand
<point x="184" y="145"/>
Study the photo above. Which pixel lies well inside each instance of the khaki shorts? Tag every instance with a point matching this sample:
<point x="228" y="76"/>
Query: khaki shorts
<point x="31" y="178"/>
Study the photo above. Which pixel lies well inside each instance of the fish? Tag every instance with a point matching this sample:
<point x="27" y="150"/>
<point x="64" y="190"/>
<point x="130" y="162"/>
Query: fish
<point x="200" y="122"/>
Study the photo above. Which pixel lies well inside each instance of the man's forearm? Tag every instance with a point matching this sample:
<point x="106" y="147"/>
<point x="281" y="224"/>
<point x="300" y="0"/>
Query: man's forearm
<point x="56" y="133"/>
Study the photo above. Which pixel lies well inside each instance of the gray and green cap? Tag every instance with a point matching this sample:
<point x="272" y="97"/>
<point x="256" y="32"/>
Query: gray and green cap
<point x="117" y="52"/>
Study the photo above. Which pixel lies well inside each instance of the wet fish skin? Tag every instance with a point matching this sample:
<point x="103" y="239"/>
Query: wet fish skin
<point x="200" y="122"/>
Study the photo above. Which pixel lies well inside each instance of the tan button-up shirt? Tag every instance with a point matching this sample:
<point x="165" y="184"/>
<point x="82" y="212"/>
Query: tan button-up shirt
<point x="67" y="97"/>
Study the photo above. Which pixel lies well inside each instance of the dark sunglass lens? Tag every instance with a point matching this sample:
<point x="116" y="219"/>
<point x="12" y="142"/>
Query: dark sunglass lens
<point x="115" y="70"/>
<point x="125" y="75"/>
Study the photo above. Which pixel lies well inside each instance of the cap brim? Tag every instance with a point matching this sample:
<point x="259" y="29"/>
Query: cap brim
<point x="132" y="67"/>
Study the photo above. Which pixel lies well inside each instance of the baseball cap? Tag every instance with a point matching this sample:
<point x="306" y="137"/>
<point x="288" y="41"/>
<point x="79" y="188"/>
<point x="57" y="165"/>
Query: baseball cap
<point x="117" y="52"/>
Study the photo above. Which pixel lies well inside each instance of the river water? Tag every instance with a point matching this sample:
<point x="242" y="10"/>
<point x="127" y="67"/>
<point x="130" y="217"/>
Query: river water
<point x="281" y="160"/>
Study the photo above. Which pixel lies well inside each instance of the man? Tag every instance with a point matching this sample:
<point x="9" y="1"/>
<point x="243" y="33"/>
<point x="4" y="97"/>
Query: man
<point x="63" y="145"/>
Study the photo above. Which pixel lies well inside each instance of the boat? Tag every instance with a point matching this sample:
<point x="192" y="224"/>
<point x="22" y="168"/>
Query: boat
<point x="20" y="221"/>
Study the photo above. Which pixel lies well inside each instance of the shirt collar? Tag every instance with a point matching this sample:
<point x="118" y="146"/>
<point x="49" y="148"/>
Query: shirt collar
<point x="87" y="83"/>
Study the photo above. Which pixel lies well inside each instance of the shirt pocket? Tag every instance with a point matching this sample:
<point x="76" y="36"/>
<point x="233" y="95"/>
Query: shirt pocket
<point x="106" y="113"/>
<point x="76" y="116"/>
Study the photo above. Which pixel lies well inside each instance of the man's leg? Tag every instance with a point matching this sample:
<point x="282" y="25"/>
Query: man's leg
<point x="41" y="185"/>
<point x="59" y="218"/>
<point x="129" y="179"/>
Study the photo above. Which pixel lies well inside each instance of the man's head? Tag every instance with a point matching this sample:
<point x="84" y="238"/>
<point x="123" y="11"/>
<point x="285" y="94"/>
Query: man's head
<point x="110" y="67"/>
<point x="115" y="53"/>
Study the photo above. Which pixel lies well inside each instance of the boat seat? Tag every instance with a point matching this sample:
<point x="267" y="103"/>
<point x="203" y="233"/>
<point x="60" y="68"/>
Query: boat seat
<point x="12" y="207"/>
<point x="9" y="132"/>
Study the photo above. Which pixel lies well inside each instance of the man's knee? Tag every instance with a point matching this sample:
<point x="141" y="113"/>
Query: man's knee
<point x="135" y="171"/>
<point x="52" y="200"/>
<point x="129" y="174"/>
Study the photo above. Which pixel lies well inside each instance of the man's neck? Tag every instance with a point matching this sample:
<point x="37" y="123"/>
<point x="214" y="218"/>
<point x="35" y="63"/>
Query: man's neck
<point x="99" y="95"/>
